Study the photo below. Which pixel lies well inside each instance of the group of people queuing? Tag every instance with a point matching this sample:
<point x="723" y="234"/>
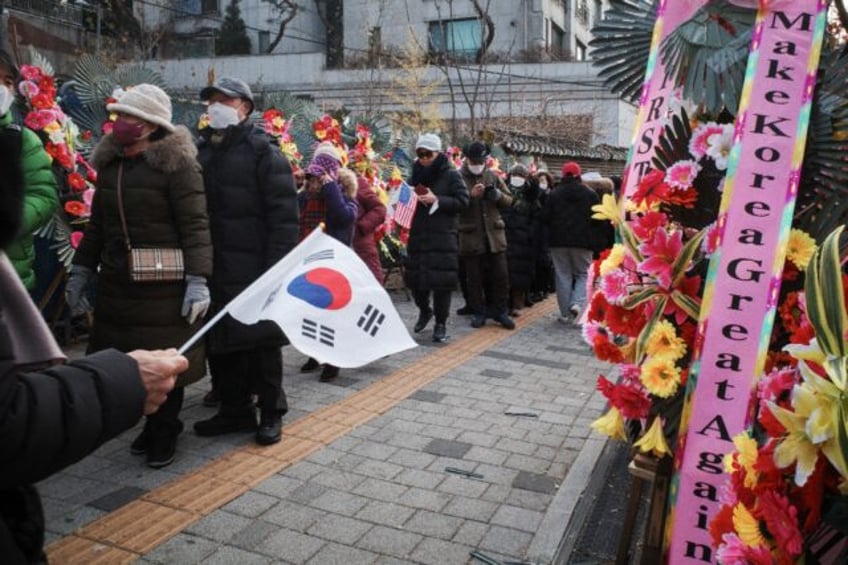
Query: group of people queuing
<point x="232" y="203"/>
<point x="506" y="243"/>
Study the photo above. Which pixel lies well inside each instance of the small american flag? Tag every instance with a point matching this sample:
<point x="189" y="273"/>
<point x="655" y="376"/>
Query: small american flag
<point x="405" y="206"/>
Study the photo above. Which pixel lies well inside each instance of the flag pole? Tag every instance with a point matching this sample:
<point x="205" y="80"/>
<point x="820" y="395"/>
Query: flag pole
<point x="202" y="331"/>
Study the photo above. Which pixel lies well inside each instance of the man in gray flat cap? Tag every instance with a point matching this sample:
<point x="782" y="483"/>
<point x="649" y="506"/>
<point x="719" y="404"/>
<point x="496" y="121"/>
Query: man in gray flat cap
<point x="253" y="218"/>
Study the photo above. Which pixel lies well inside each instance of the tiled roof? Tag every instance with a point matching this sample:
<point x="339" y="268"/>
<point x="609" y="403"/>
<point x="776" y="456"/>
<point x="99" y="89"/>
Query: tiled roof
<point x="536" y="145"/>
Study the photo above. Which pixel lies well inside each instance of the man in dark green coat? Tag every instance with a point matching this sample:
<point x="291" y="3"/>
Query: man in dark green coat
<point x="40" y="196"/>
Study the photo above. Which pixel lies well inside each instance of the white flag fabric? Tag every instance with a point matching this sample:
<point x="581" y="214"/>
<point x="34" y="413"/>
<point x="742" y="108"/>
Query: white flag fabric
<point x="327" y="302"/>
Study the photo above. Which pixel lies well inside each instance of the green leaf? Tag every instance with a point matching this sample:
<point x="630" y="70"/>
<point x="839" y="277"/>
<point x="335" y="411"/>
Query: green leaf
<point x="681" y="263"/>
<point x="686" y="303"/>
<point x="642" y="340"/>
<point x="824" y="296"/>
<point x="639" y="297"/>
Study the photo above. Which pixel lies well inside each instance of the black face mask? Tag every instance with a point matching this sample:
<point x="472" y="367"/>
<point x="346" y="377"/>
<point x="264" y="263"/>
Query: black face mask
<point x="11" y="185"/>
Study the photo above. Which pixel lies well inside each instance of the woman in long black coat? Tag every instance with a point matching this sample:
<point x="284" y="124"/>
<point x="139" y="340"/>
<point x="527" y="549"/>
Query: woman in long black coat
<point x="432" y="262"/>
<point x="523" y="235"/>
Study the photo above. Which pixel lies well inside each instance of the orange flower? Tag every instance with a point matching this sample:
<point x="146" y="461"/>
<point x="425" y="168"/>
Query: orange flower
<point x="76" y="182"/>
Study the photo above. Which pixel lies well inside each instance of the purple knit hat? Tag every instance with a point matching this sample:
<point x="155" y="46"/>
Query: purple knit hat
<point x="322" y="164"/>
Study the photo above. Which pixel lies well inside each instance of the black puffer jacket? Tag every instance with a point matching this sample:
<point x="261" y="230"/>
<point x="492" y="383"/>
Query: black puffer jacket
<point x="50" y="419"/>
<point x="567" y="215"/>
<point x="523" y="234"/>
<point x="253" y="217"/>
<point x="432" y="261"/>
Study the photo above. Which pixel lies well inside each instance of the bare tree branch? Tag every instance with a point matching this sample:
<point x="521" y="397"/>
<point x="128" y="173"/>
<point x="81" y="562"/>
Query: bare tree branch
<point x="287" y="10"/>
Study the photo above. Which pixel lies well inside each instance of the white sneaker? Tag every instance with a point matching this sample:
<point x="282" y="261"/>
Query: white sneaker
<point x="575" y="311"/>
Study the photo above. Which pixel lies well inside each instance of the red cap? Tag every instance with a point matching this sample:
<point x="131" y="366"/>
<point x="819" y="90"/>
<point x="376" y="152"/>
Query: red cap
<point x="571" y="169"/>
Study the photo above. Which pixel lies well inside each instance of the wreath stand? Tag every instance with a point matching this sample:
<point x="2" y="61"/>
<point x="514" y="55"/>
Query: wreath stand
<point x="646" y="469"/>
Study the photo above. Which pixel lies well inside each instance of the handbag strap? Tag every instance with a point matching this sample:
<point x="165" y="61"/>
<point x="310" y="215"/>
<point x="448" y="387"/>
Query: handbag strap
<point x="121" y="206"/>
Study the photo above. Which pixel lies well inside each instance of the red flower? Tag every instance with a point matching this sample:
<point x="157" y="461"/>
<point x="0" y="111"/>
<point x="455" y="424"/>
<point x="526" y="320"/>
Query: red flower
<point x="652" y="189"/>
<point x="772" y="425"/>
<point x="722" y="523"/>
<point x="606" y="351"/>
<point x="625" y="322"/>
<point x="685" y="198"/>
<point x="60" y="153"/>
<point x="598" y="308"/>
<point x="86" y="135"/>
<point x="77" y="182"/>
<point x="646" y="224"/>
<point x="781" y="519"/>
<point x="42" y="101"/>
<point x="75" y="208"/>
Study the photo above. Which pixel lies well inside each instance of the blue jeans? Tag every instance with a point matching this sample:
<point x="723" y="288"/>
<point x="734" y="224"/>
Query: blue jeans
<point x="571" y="265"/>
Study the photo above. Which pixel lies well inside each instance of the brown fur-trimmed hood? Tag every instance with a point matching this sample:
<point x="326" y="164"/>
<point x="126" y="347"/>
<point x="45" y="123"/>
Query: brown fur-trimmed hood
<point x="169" y="154"/>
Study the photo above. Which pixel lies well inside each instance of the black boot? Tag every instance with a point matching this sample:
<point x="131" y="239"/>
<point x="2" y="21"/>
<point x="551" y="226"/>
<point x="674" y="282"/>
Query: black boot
<point x="424" y="317"/>
<point x="269" y="431"/>
<point x="162" y="444"/>
<point x="310" y="365"/>
<point x="139" y="444"/>
<point x="478" y="320"/>
<point x="329" y="373"/>
<point x="504" y="320"/>
<point x="440" y="333"/>
<point x="227" y="422"/>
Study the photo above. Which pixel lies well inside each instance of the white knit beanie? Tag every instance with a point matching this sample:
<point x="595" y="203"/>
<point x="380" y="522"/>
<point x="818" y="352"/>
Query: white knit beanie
<point x="328" y="149"/>
<point x="147" y="102"/>
<point x="429" y="141"/>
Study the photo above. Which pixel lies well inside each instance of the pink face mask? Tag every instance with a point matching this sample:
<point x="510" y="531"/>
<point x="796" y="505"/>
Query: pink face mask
<point x="126" y="133"/>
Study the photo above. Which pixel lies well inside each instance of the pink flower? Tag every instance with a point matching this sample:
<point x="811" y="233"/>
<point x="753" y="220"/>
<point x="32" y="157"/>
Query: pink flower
<point x="661" y="252"/>
<point x="682" y="174"/>
<point x="28" y="72"/>
<point x="39" y="119"/>
<point x="28" y="88"/>
<point x="590" y="331"/>
<point x="615" y="285"/>
<point x="731" y="551"/>
<point x="88" y="196"/>
<point x="781" y="519"/>
<point x="76" y="238"/>
<point x="710" y="242"/>
<point x="699" y="143"/>
<point x="645" y="225"/>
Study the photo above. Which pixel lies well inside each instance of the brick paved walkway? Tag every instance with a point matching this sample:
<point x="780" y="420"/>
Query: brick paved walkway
<point x="372" y="468"/>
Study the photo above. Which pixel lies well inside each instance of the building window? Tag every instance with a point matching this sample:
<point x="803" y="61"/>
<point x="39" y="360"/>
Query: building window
<point x="557" y="45"/>
<point x="197" y="7"/>
<point x="582" y="12"/>
<point x="460" y="39"/>
<point x="264" y="41"/>
<point x="579" y="50"/>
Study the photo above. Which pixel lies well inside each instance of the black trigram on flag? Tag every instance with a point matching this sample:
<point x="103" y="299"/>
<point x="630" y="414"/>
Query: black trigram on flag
<point x="318" y="332"/>
<point x="371" y="320"/>
<point x="319" y="256"/>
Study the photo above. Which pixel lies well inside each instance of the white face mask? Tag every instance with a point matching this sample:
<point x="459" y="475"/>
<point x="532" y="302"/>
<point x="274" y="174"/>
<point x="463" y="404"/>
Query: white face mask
<point x="6" y="99"/>
<point x="543" y="185"/>
<point x="222" y="116"/>
<point x="516" y="182"/>
<point x="476" y="169"/>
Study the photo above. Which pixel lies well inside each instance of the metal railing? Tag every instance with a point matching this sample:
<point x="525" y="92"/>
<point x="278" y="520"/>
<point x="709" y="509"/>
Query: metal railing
<point x="48" y="8"/>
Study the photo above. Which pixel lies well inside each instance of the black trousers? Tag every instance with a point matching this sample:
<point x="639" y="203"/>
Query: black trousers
<point x="166" y="420"/>
<point x="488" y="282"/>
<point x="242" y="373"/>
<point x="441" y="303"/>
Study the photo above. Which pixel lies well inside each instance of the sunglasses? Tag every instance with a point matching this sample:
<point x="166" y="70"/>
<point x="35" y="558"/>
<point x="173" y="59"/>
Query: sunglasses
<point x="424" y="154"/>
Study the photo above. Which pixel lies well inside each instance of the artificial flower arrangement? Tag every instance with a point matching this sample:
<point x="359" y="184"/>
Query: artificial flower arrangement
<point x="785" y="500"/>
<point x="275" y="124"/>
<point x="62" y="141"/>
<point x="645" y="291"/>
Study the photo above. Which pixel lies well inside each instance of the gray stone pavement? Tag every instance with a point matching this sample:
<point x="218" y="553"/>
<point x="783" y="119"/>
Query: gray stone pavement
<point x="382" y="494"/>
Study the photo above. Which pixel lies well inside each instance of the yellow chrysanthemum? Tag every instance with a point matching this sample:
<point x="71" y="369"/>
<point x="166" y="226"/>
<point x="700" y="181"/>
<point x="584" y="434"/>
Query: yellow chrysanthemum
<point x="611" y="424"/>
<point x="613" y="260"/>
<point x="664" y="342"/>
<point x="660" y="376"/>
<point x="653" y="441"/>
<point x="800" y="248"/>
<point x="746" y="456"/>
<point x="747" y="527"/>
<point x="607" y="210"/>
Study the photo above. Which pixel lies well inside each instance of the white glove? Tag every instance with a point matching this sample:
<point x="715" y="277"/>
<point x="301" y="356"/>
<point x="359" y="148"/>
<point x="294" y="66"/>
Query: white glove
<point x="196" y="301"/>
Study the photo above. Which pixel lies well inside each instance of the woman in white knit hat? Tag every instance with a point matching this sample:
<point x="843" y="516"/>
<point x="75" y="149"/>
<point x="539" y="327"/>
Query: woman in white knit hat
<point x="149" y="194"/>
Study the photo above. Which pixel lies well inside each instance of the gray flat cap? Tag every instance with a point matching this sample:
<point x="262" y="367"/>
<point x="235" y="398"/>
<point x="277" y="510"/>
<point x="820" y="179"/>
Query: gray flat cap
<point x="228" y="86"/>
